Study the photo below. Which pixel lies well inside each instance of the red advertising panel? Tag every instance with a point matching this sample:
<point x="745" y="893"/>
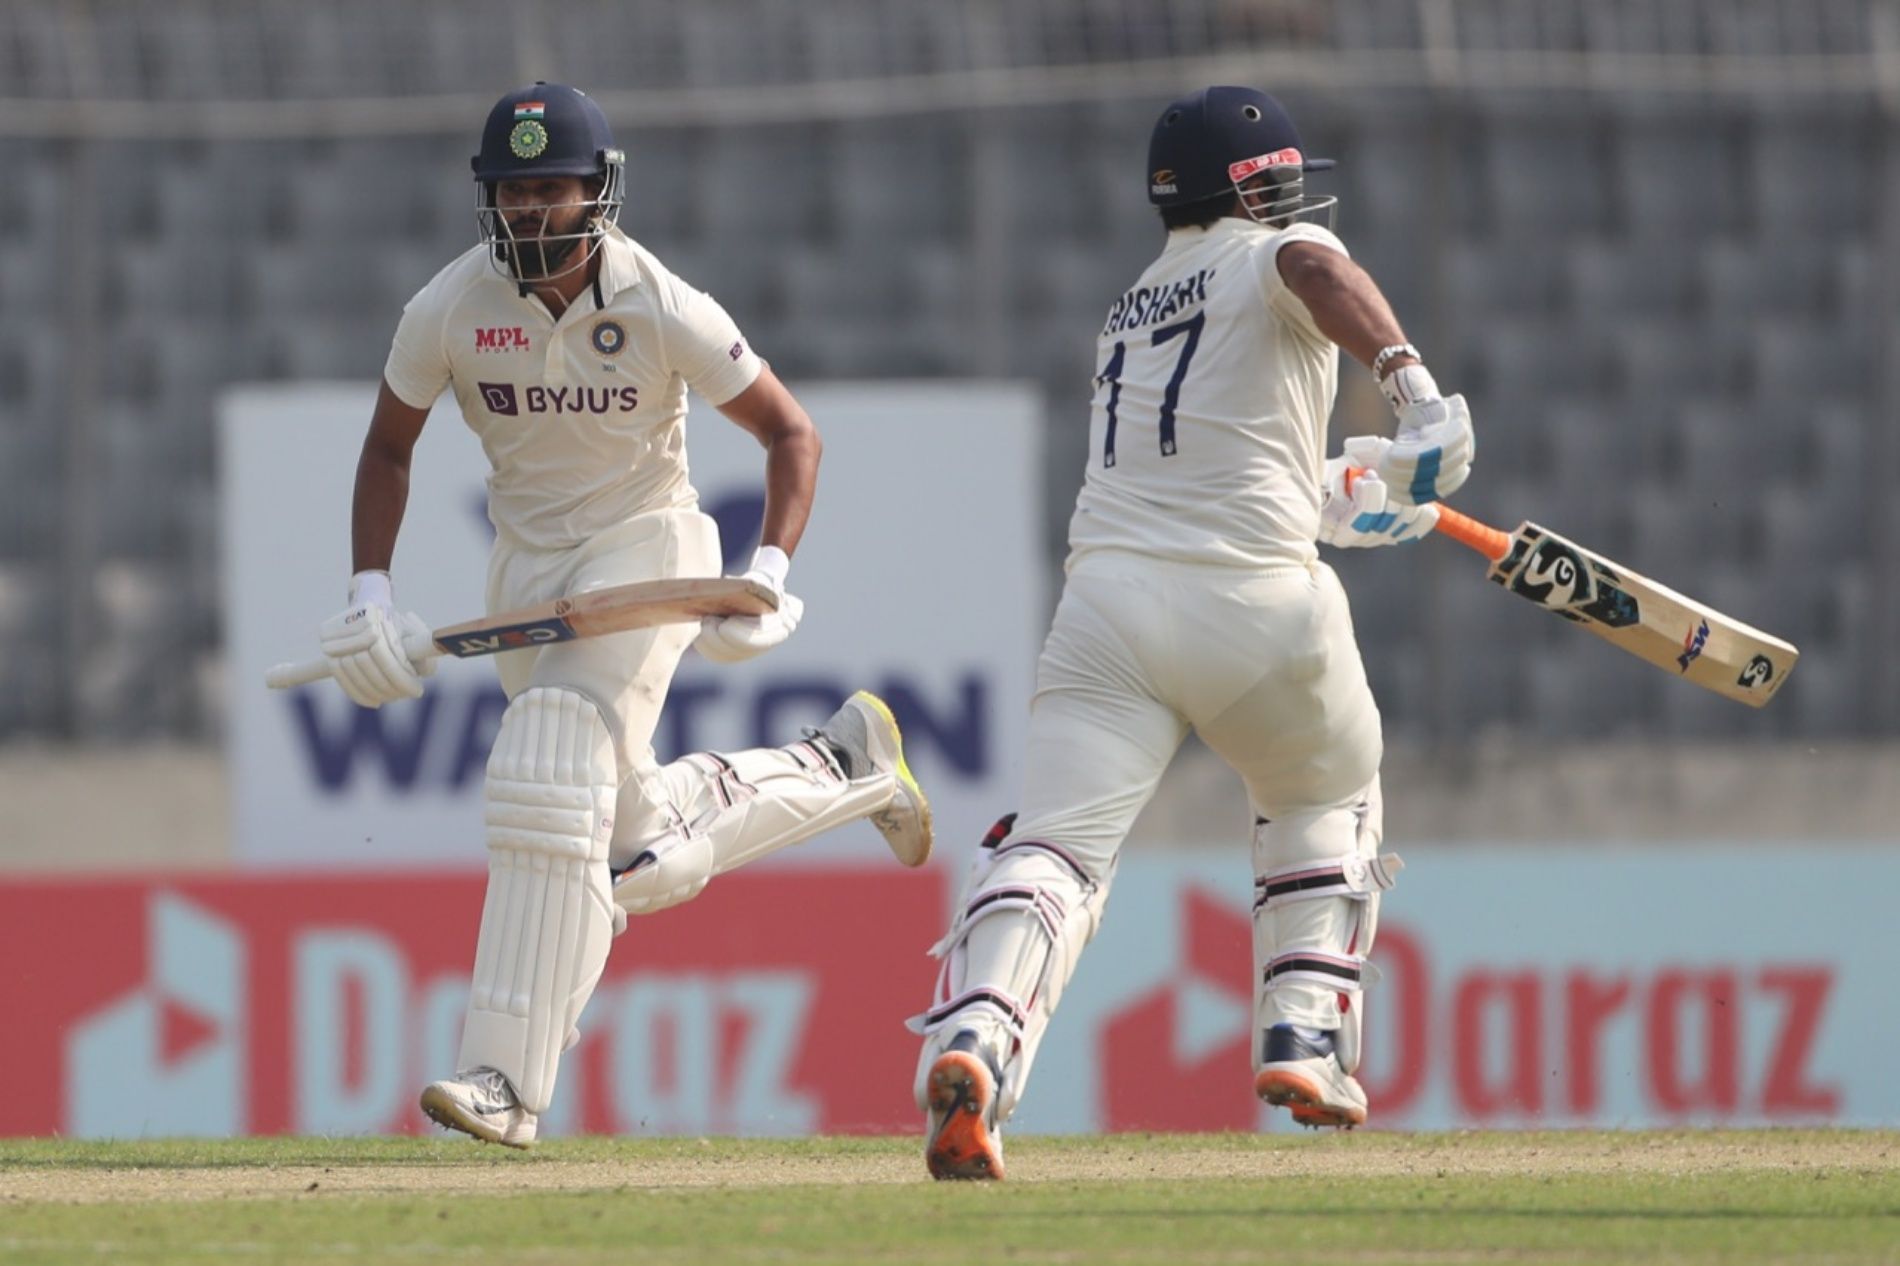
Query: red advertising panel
<point x="1516" y="990"/>
<point x="321" y="1004"/>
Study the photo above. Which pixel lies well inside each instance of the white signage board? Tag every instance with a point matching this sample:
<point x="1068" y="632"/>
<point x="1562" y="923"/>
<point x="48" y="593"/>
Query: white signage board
<point x="921" y="574"/>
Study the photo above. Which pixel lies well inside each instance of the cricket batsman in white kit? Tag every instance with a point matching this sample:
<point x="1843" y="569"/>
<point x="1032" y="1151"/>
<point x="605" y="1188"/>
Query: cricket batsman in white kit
<point x="1196" y="598"/>
<point x="570" y="348"/>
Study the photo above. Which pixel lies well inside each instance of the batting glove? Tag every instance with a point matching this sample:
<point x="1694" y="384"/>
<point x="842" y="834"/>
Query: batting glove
<point x="1356" y="512"/>
<point x="365" y="645"/>
<point x="1430" y="456"/>
<point x="727" y="639"/>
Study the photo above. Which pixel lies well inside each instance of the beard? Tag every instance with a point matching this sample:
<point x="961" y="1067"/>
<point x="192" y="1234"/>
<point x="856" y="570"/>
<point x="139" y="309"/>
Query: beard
<point x="544" y="255"/>
<point x="537" y="259"/>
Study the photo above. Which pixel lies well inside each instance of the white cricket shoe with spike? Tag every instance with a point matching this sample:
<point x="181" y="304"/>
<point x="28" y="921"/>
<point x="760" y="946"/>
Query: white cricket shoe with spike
<point x="1301" y="1073"/>
<point x="481" y="1103"/>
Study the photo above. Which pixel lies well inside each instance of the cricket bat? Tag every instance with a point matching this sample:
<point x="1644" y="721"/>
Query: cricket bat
<point x="1652" y="622"/>
<point x="616" y="609"/>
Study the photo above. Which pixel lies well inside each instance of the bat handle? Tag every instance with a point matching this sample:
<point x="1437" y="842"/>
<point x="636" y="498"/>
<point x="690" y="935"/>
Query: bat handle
<point x="287" y="676"/>
<point x="1461" y="528"/>
<point x="1466" y="530"/>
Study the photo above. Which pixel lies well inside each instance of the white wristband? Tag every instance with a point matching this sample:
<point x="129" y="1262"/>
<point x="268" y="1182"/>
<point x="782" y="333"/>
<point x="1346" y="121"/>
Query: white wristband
<point x="1393" y="352"/>
<point x="372" y="589"/>
<point x="772" y="562"/>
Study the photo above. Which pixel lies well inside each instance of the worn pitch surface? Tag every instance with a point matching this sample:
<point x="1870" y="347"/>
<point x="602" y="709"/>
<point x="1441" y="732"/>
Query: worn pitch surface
<point x="1734" y="1196"/>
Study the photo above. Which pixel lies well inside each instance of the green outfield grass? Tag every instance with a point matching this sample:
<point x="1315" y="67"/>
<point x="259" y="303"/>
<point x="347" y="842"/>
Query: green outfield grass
<point x="1728" y="1198"/>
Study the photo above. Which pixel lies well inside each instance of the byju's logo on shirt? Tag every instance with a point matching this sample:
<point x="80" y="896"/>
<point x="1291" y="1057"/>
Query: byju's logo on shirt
<point x="500" y="338"/>
<point x="503" y="400"/>
<point x="500" y="399"/>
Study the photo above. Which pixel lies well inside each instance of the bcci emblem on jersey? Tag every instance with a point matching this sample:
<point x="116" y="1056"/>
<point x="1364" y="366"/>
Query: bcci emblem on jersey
<point x="609" y="338"/>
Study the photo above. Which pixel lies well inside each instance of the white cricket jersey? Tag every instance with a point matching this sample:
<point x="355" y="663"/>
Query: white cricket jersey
<point x="583" y="419"/>
<point x="1207" y="435"/>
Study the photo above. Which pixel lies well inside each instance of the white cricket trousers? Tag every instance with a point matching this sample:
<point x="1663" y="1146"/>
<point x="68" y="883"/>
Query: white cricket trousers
<point x="1262" y="665"/>
<point x="626" y="675"/>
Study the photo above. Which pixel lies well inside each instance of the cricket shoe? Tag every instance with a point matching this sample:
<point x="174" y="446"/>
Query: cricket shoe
<point x="1301" y="1073"/>
<point x="965" y="1140"/>
<point x="864" y="736"/>
<point x="480" y="1102"/>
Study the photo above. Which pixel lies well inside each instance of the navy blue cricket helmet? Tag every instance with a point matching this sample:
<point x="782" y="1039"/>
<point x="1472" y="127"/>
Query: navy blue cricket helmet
<point x="547" y="130"/>
<point x="1218" y="140"/>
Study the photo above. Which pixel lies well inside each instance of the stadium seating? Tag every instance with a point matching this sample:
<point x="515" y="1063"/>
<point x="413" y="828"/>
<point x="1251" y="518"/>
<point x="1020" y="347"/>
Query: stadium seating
<point x="1659" y="304"/>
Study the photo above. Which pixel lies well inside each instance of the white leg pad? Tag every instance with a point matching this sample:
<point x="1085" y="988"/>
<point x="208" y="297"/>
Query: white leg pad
<point x="723" y="811"/>
<point x="548" y="917"/>
<point x="1028" y="909"/>
<point x="1317" y="880"/>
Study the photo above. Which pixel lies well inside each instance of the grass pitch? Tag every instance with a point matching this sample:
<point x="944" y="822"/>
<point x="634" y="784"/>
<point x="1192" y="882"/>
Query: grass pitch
<point x="1727" y="1197"/>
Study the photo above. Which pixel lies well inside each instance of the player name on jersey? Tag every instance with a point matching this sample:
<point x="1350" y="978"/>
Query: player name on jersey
<point x="1146" y="304"/>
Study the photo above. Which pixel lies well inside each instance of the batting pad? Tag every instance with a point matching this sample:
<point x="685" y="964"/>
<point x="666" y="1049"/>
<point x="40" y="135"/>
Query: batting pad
<point x="549" y="916"/>
<point x="1029" y="910"/>
<point x="725" y="810"/>
<point x="1318" y="876"/>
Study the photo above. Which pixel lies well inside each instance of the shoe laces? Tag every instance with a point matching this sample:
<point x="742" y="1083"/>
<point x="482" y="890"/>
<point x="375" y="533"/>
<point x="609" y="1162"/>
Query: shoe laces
<point x="492" y="1085"/>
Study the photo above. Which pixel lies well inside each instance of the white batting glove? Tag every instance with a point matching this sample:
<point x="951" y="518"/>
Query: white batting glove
<point x="1365" y="516"/>
<point x="1430" y="456"/>
<point x="365" y="645"/>
<point x="727" y="639"/>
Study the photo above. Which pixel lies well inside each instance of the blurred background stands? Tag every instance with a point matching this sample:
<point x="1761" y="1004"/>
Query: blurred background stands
<point x="1654" y="242"/>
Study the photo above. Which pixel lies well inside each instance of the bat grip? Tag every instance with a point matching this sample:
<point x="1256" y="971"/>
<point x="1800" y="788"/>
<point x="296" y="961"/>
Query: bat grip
<point x="1466" y="530"/>
<point x="286" y="676"/>
<point x="1461" y="528"/>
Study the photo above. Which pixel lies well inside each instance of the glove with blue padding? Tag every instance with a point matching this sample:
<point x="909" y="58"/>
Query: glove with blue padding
<point x="1430" y="456"/>
<point x="1356" y="512"/>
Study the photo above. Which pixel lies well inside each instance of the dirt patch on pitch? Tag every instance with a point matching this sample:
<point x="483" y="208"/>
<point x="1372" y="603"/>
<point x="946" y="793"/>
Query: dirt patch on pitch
<point x="1113" y="1159"/>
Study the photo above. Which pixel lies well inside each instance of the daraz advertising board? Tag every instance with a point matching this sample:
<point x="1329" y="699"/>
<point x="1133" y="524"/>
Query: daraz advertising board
<point x="1587" y="987"/>
<point x="318" y="989"/>
<point x="921" y="573"/>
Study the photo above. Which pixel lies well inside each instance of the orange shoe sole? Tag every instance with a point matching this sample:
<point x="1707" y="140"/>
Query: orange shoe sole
<point x="1300" y="1096"/>
<point x="959" y="1092"/>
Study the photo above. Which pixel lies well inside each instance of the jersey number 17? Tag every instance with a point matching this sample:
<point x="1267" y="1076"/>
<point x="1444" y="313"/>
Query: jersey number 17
<point x="1112" y="375"/>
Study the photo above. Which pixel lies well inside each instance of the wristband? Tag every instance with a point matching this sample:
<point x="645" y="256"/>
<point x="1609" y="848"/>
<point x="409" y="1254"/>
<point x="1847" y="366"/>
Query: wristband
<point x="773" y="563"/>
<point x="372" y="589"/>
<point x="1388" y="353"/>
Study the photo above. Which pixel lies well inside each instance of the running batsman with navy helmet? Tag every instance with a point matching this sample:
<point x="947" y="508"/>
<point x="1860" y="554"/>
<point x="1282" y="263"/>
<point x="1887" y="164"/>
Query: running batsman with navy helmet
<point x="570" y="348"/>
<point x="1196" y="599"/>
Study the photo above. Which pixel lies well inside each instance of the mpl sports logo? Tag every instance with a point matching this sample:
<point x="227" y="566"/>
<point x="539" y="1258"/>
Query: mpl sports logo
<point x="501" y="338"/>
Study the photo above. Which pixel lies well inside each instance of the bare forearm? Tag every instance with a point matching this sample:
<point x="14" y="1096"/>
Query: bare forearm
<point x="791" y="479"/>
<point x="1346" y="304"/>
<point x="382" y="493"/>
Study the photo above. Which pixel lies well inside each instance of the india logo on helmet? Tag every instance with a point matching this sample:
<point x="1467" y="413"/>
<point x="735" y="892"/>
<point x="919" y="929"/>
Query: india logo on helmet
<point x="530" y="135"/>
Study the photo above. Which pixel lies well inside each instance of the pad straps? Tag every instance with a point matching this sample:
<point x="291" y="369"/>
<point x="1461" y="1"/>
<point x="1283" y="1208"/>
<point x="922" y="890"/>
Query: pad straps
<point x="1354" y="876"/>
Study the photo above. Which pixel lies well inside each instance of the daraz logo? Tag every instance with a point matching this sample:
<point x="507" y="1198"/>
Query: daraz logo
<point x="167" y="1056"/>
